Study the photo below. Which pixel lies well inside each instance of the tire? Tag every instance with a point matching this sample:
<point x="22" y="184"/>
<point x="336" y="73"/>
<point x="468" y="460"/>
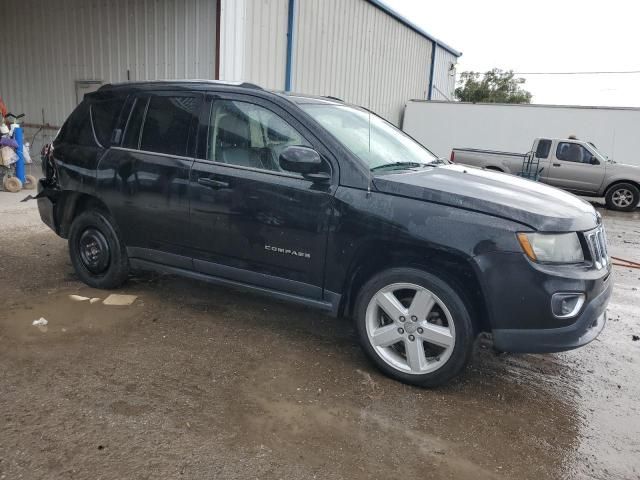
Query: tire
<point x="623" y="197"/>
<point x="30" y="182"/>
<point x="12" y="184"/>
<point x="97" y="251"/>
<point x="392" y="340"/>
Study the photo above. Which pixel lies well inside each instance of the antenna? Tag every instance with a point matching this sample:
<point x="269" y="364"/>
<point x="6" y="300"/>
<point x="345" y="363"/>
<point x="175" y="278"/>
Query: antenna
<point x="370" y="179"/>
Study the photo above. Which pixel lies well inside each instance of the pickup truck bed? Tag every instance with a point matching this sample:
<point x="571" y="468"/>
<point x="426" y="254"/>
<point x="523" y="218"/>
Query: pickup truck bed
<point x="509" y="162"/>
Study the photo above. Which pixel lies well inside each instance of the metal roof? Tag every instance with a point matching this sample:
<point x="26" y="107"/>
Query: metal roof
<point x="388" y="10"/>
<point x="528" y="105"/>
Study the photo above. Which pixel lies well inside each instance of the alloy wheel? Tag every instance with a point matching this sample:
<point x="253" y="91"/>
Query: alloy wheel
<point x="622" y="198"/>
<point x="410" y="328"/>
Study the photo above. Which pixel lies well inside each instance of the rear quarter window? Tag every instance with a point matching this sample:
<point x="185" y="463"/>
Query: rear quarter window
<point x="105" y="115"/>
<point x="77" y="129"/>
<point x="544" y="147"/>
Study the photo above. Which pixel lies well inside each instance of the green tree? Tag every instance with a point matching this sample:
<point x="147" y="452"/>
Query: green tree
<point x="495" y="86"/>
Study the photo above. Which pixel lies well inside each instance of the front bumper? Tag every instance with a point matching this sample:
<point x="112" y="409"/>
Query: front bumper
<point x="518" y="296"/>
<point x="586" y="328"/>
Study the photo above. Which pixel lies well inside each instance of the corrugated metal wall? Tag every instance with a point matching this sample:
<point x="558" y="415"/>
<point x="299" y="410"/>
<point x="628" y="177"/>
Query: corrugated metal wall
<point x="444" y="79"/>
<point x="352" y="50"/>
<point x="266" y="43"/>
<point x="62" y="41"/>
<point x="233" y="17"/>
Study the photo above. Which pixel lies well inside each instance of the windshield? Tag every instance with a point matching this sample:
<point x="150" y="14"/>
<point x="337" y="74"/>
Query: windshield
<point x="605" y="157"/>
<point x="375" y="141"/>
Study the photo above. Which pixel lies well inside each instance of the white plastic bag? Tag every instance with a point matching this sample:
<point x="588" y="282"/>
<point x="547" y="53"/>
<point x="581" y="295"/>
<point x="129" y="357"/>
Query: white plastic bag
<point x="26" y="149"/>
<point x="8" y="156"/>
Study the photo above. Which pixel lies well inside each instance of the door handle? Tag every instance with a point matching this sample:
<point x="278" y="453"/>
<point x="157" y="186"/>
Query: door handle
<point x="556" y="164"/>
<point x="210" y="182"/>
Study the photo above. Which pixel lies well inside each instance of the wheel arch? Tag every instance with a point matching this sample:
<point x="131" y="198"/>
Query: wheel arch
<point x="453" y="267"/>
<point x="70" y="204"/>
<point x="613" y="183"/>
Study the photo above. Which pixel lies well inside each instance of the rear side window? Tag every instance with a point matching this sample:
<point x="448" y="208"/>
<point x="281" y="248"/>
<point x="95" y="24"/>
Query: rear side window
<point x="132" y="134"/>
<point x="166" y="125"/>
<point x="77" y="129"/>
<point x="105" y="116"/>
<point x="544" y="147"/>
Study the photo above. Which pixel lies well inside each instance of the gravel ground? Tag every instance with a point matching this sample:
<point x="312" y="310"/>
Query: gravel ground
<point x="195" y="381"/>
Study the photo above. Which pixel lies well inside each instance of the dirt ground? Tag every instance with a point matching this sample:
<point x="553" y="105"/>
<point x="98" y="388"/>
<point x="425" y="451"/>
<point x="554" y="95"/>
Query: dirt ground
<point x="194" y="381"/>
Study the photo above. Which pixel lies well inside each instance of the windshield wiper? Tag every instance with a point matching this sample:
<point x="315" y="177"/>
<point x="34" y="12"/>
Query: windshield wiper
<point x="399" y="164"/>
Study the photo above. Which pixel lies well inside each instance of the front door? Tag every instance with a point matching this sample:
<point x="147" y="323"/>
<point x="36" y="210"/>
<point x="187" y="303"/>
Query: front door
<point x="145" y="179"/>
<point x="571" y="169"/>
<point x="252" y="221"/>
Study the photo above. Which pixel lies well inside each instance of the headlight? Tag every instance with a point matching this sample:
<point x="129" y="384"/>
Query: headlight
<point x="552" y="247"/>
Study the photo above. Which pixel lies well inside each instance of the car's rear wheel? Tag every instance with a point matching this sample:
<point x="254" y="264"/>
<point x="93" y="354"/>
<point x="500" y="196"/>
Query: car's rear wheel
<point x="623" y="197"/>
<point x="414" y="326"/>
<point x="97" y="251"/>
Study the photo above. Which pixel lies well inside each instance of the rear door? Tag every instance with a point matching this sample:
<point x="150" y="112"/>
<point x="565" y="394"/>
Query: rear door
<point x="252" y="221"/>
<point x="144" y="178"/>
<point x="572" y="169"/>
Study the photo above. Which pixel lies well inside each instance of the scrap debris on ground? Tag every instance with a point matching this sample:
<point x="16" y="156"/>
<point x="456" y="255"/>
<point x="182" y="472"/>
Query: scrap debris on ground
<point x="120" y="300"/>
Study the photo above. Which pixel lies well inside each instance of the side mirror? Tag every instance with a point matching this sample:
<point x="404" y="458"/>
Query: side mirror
<point x="594" y="161"/>
<point x="303" y="160"/>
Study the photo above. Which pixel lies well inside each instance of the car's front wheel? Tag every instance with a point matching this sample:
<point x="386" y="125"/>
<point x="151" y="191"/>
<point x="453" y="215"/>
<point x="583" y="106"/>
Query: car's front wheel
<point x="623" y="197"/>
<point x="414" y="326"/>
<point x="97" y="251"/>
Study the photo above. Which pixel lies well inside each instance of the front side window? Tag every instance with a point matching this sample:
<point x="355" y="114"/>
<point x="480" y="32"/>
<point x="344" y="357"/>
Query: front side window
<point x="248" y="135"/>
<point x="380" y="145"/>
<point x="572" y="152"/>
<point x="166" y="125"/>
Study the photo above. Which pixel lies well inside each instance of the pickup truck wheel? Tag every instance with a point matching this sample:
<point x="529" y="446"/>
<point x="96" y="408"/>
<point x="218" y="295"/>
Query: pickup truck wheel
<point x="414" y="327"/>
<point x="97" y="251"/>
<point x="623" y="197"/>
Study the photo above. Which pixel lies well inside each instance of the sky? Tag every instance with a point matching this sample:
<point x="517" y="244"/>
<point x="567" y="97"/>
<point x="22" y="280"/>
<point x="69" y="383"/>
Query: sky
<point x="543" y="36"/>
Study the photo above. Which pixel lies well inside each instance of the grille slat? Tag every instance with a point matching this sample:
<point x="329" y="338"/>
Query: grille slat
<point x="597" y="241"/>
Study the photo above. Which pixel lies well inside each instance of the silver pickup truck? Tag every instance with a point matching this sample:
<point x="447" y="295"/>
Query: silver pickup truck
<point x="569" y="164"/>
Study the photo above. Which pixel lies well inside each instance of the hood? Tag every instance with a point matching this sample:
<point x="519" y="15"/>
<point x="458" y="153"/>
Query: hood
<point x="616" y="168"/>
<point x="534" y="204"/>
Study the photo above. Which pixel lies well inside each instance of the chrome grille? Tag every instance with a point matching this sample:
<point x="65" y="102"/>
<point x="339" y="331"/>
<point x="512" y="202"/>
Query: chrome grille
<point x="597" y="242"/>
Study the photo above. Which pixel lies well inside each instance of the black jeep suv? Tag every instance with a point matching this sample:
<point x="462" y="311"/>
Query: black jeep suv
<point x="325" y="204"/>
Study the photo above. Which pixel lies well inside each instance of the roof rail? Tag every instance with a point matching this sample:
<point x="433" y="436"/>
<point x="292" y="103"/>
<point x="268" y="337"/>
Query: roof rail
<point x="183" y="80"/>
<point x="334" y="98"/>
<point x="251" y="85"/>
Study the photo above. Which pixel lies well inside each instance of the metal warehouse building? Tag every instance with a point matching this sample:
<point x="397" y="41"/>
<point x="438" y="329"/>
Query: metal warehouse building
<point x="357" y="50"/>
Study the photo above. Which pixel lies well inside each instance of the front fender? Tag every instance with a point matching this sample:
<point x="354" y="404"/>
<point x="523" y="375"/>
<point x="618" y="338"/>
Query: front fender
<point x="608" y="182"/>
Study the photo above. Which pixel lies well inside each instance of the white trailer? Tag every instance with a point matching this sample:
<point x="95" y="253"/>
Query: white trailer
<point x="443" y="126"/>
